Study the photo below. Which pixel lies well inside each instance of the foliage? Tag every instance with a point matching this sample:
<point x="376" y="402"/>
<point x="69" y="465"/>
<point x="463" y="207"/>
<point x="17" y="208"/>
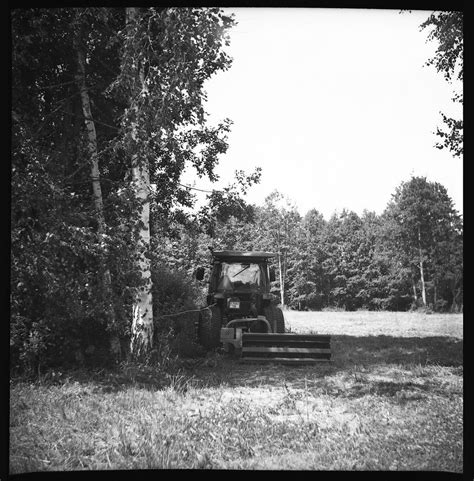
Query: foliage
<point x="166" y="56"/>
<point x="228" y="203"/>
<point x="308" y="289"/>
<point x="351" y="262"/>
<point x="276" y="230"/>
<point x="175" y="302"/>
<point x="348" y="262"/>
<point x="447" y="32"/>
<point x="424" y="230"/>
<point x="173" y="291"/>
<point x="58" y="304"/>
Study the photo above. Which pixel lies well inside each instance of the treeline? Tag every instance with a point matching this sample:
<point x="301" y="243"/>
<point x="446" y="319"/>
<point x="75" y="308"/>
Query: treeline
<point x="409" y="257"/>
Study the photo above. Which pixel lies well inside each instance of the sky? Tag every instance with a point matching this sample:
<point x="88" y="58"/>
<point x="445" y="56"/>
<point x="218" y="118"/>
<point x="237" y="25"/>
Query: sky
<point x="335" y="105"/>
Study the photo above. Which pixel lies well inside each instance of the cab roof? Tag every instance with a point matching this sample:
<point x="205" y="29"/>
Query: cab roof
<point x="242" y="256"/>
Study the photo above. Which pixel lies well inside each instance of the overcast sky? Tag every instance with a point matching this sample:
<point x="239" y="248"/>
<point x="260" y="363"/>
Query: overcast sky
<point x="335" y="105"/>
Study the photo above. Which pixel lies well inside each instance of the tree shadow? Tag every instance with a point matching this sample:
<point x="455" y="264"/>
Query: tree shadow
<point x="349" y="353"/>
<point x="405" y="351"/>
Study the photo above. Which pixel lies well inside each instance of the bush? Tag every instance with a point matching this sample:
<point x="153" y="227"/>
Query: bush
<point x="58" y="310"/>
<point x="175" y="334"/>
<point x="441" y="305"/>
<point x="393" y="302"/>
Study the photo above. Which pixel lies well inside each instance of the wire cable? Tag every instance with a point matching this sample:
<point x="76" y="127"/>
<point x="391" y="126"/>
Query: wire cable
<point x="184" y="312"/>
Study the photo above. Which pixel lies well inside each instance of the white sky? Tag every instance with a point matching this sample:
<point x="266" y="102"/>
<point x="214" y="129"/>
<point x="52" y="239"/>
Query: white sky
<point x="335" y="105"/>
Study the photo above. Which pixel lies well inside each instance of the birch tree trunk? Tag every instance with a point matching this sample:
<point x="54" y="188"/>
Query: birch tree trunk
<point x="142" y="314"/>
<point x="280" y="270"/>
<point x="422" y="277"/>
<point x="285" y="265"/>
<point x="456" y="292"/>
<point x="106" y="281"/>
<point x="142" y="311"/>
<point x="415" y="295"/>
<point x="282" y="288"/>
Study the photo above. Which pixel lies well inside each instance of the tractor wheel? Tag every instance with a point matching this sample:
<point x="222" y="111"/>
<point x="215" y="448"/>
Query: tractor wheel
<point x="269" y="313"/>
<point x="209" y="328"/>
<point x="279" y="321"/>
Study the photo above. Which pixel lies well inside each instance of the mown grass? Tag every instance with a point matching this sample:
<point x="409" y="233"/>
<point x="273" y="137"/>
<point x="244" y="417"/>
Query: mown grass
<point x="365" y="323"/>
<point x="385" y="403"/>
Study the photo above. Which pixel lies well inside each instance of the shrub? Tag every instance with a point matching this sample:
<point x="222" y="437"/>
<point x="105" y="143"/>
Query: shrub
<point x="173" y="293"/>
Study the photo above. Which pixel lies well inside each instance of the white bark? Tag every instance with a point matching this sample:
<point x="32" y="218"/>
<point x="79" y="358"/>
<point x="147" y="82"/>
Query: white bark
<point x="422" y="277"/>
<point x="282" y="287"/>
<point x="92" y="139"/>
<point x="142" y="312"/>
<point x="142" y="315"/>
<point x="415" y="295"/>
<point x="280" y="270"/>
<point x="456" y="292"/>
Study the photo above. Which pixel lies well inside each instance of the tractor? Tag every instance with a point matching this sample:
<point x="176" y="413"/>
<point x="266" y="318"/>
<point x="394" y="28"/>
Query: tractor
<point x="241" y="316"/>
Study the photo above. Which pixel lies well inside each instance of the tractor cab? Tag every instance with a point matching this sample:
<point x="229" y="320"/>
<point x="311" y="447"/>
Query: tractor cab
<point x="240" y="277"/>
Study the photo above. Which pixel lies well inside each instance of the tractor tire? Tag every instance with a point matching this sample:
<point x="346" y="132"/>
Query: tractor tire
<point x="275" y="317"/>
<point x="269" y="313"/>
<point x="209" y="327"/>
<point x="279" y="321"/>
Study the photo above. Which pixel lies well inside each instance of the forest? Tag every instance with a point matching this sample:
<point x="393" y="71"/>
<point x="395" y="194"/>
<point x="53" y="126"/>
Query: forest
<point x="107" y="110"/>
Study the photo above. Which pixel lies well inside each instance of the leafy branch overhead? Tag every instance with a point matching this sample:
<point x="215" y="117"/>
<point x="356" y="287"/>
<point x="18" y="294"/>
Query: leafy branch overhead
<point x="229" y="202"/>
<point x="167" y="56"/>
<point x="446" y="29"/>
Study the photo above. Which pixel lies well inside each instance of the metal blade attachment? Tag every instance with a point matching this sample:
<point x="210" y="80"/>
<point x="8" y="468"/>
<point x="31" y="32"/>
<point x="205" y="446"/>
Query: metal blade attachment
<point x="286" y="348"/>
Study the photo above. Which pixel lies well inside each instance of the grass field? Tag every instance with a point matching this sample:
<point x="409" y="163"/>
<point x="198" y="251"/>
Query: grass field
<point x="371" y="323"/>
<point x="390" y="400"/>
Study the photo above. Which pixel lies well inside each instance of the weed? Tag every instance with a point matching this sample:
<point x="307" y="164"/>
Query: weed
<point x="180" y="383"/>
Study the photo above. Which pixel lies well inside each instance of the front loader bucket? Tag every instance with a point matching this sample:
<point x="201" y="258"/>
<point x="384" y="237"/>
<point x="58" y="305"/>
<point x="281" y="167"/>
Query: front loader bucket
<point x="286" y="348"/>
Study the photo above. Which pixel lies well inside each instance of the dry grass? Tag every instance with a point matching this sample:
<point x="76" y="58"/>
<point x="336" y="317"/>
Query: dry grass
<point x="387" y="402"/>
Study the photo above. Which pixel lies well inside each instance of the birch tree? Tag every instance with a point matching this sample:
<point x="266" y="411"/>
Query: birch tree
<point x="167" y="55"/>
<point x="278" y="221"/>
<point x="92" y="147"/>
